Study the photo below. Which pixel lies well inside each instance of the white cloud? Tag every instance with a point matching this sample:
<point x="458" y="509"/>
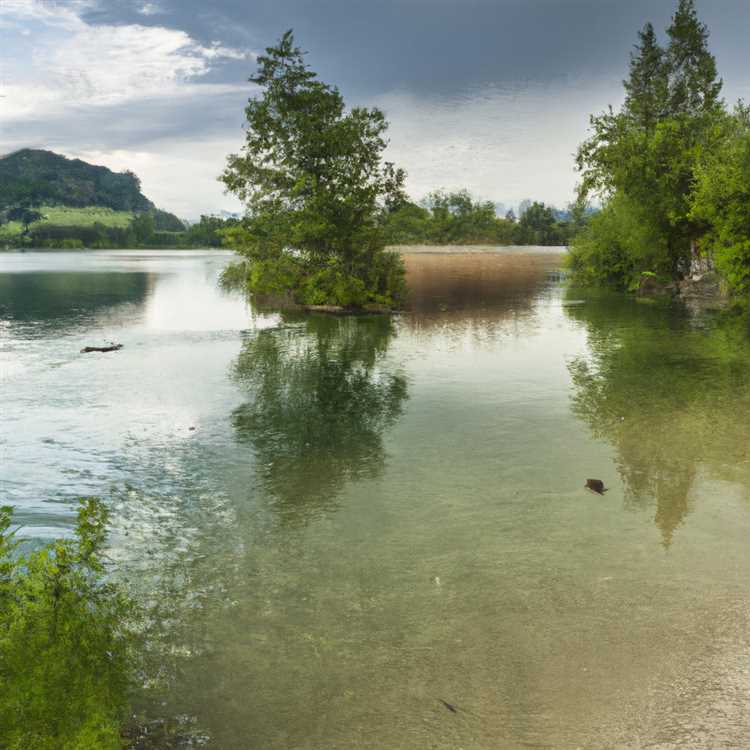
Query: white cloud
<point x="66" y="62"/>
<point x="196" y="164"/>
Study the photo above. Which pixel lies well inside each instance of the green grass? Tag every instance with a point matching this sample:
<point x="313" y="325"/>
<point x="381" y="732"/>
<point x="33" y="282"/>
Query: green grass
<point x="73" y="217"/>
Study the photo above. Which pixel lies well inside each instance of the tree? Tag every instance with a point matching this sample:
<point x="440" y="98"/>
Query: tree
<point x="311" y="177"/>
<point x="694" y="85"/>
<point x="721" y="200"/>
<point x="66" y="641"/>
<point x="647" y="153"/>
<point x="25" y="216"/>
<point x="536" y="226"/>
<point x="648" y="84"/>
<point x="143" y="228"/>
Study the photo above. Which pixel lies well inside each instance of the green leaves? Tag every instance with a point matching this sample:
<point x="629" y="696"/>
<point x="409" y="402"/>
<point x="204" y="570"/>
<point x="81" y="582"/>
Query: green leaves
<point x="65" y="641"/>
<point x="646" y="155"/>
<point x="314" y="186"/>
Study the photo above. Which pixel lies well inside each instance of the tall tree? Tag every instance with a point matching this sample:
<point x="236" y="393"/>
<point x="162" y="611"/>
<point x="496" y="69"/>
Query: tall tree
<point x="647" y="153"/>
<point x="648" y="84"/>
<point x="313" y="183"/>
<point x="694" y="84"/>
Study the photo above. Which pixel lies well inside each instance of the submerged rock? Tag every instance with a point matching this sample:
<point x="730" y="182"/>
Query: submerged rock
<point x="652" y="286"/>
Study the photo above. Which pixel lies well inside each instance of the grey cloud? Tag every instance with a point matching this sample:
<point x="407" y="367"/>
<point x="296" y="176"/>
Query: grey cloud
<point x="440" y="45"/>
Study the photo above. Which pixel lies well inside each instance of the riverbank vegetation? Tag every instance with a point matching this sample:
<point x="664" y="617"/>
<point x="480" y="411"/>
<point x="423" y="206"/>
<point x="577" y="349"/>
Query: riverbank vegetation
<point x="671" y="167"/>
<point x="68" y="227"/>
<point x="455" y="218"/>
<point x="67" y="657"/>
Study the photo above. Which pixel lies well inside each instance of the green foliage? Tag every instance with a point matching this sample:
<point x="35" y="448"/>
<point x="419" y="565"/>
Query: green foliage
<point x="65" y="641"/>
<point x="539" y="226"/>
<point x="659" y="406"/>
<point x="33" y="178"/>
<point x="143" y="227"/>
<point x="311" y="177"/>
<point x="407" y="224"/>
<point x="321" y="393"/>
<point x="166" y="222"/>
<point x="617" y="246"/>
<point x="455" y="218"/>
<point x="722" y="199"/>
<point x="24" y="216"/>
<point x="208" y="232"/>
<point x="646" y="154"/>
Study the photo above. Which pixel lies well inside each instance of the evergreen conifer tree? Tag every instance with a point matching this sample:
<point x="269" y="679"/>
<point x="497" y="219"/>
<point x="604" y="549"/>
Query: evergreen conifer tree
<point x="694" y="84"/>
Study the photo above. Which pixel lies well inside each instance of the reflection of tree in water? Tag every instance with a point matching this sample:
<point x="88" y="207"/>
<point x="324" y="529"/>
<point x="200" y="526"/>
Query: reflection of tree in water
<point x="321" y="399"/>
<point x="672" y="397"/>
<point x="65" y="298"/>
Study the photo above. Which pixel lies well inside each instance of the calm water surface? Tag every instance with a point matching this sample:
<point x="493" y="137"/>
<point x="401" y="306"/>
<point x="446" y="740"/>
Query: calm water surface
<point x="372" y="516"/>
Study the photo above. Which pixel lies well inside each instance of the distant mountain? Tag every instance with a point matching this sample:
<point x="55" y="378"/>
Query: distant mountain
<point x="33" y="177"/>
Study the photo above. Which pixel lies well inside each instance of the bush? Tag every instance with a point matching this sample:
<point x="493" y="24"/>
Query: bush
<point x="65" y="642"/>
<point x="617" y="246"/>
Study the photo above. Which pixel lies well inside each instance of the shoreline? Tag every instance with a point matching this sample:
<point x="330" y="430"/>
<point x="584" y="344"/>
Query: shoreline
<point x="478" y="249"/>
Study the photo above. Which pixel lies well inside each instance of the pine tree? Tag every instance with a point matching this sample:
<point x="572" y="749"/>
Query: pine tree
<point x="648" y="83"/>
<point x="694" y="85"/>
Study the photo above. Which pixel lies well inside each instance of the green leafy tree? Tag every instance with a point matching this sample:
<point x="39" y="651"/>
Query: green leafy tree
<point x="722" y="200"/>
<point x="407" y="223"/>
<point x="208" y="232"/>
<point x="537" y="226"/>
<point x="647" y="86"/>
<point x="143" y="227"/>
<point x="694" y="85"/>
<point x="314" y="186"/>
<point x="25" y="216"/>
<point x="66" y="659"/>
<point x="647" y="152"/>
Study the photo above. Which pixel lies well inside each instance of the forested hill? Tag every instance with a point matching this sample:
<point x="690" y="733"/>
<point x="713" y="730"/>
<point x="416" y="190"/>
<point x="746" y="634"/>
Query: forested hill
<point x="34" y="177"/>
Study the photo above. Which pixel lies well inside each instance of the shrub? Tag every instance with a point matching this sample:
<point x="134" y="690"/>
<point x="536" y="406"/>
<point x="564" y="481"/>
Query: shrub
<point x="66" y="641"/>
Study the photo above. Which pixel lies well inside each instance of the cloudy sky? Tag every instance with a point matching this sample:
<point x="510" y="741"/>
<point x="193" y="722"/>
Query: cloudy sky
<point x="492" y="95"/>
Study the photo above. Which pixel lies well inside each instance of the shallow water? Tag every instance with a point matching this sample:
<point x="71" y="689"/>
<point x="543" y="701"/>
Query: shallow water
<point x="373" y="516"/>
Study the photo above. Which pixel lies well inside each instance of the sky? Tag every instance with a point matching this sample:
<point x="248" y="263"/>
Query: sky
<point x="488" y="95"/>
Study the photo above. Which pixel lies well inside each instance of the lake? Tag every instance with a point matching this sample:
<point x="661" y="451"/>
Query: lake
<point x="346" y="523"/>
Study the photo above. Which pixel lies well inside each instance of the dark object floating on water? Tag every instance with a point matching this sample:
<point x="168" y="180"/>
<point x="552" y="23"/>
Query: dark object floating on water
<point x="596" y="485"/>
<point x="112" y="348"/>
<point x="191" y="428"/>
<point x="450" y="707"/>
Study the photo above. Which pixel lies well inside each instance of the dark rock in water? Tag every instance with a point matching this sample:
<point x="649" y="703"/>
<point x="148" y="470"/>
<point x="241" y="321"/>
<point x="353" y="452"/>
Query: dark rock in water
<point x="596" y="485"/>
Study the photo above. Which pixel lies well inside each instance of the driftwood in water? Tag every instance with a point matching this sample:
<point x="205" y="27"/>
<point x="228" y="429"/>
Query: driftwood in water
<point x="112" y="348"/>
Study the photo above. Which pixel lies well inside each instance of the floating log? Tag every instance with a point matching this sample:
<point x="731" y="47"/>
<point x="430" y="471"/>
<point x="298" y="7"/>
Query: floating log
<point x="112" y="348"/>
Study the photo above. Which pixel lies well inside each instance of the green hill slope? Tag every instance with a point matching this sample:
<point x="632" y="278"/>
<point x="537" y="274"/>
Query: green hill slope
<point x="35" y="177"/>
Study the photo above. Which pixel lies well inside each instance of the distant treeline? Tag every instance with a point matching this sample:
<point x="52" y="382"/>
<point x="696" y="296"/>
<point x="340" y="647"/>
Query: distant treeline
<point x="457" y="219"/>
<point x="155" y="229"/>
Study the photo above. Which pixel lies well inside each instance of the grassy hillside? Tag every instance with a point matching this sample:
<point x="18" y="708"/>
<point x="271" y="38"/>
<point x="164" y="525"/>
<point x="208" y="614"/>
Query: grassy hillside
<point x="72" y="217"/>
